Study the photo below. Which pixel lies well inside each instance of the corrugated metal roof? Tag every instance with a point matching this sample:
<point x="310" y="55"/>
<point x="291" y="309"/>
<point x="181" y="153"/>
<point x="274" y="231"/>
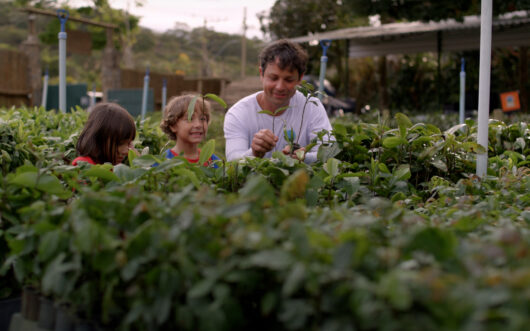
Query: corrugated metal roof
<point x="395" y="29"/>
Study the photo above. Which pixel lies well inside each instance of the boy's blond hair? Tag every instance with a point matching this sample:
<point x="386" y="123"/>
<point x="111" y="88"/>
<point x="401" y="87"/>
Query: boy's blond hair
<point x="177" y="108"/>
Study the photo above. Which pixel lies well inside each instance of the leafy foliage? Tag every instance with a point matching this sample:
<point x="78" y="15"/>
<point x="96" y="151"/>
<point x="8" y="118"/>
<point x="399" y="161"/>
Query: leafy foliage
<point x="375" y="235"/>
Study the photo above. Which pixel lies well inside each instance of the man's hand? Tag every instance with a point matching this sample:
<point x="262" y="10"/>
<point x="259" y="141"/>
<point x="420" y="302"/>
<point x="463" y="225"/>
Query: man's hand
<point x="264" y="141"/>
<point x="298" y="154"/>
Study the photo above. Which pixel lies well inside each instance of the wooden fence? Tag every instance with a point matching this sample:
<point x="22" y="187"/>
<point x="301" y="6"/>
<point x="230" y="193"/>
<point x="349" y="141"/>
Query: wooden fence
<point x="176" y="84"/>
<point x="14" y="82"/>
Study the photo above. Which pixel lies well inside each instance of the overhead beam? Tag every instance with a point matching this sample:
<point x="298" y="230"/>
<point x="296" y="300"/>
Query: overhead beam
<point x="75" y="19"/>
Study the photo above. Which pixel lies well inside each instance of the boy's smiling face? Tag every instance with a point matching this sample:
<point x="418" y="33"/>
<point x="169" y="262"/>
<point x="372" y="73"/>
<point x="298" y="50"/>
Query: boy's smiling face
<point x="191" y="132"/>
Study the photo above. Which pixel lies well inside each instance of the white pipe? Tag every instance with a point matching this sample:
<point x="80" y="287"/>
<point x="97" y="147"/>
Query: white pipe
<point x="462" y="93"/>
<point x="164" y="95"/>
<point x="484" y="84"/>
<point x="45" y="90"/>
<point x="62" y="72"/>
<point x="93" y="96"/>
<point x="144" y="95"/>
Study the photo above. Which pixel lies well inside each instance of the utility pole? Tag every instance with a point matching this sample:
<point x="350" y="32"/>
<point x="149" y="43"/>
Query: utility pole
<point x="204" y="67"/>
<point x="244" y="44"/>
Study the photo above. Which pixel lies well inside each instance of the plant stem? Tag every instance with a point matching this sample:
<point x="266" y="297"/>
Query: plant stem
<point x="302" y="121"/>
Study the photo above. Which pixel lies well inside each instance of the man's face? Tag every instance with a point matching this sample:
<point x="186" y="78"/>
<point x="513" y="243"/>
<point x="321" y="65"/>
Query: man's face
<point x="278" y="85"/>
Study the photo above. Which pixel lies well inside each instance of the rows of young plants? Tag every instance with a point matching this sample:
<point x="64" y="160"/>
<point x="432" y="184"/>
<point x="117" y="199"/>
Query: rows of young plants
<point x="390" y="229"/>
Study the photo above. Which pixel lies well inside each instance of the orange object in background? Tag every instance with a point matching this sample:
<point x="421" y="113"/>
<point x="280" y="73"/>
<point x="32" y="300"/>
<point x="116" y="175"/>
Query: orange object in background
<point x="510" y="101"/>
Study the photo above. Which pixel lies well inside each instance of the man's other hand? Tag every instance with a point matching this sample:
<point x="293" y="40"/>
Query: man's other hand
<point x="298" y="154"/>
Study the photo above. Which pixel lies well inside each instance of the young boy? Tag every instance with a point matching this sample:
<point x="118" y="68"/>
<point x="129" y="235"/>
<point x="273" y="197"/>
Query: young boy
<point x="187" y="134"/>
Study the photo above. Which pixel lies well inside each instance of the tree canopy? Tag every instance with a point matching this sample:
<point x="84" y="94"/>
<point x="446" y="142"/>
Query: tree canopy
<point x="293" y="18"/>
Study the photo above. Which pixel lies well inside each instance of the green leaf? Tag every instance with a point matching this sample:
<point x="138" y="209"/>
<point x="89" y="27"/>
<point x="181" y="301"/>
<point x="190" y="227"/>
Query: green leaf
<point x="102" y="171"/>
<point x="402" y="172"/>
<point x="339" y="129"/>
<point x="332" y="167"/>
<point x="191" y="107"/>
<point x="131" y="156"/>
<point x="268" y="112"/>
<point x="216" y="98"/>
<point x="257" y="188"/>
<point x="391" y="142"/>
<point x="274" y="259"/>
<point x="295" y="185"/>
<point x="441" y="244"/>
<point x="326" y="152"/>
<point x="397" y="292"/>
<point x="207" y="151"/>
<point x="519" y="143"/>
<point x="383" y="168"/>
<point x="439" y="164"/>
<point x="50" y="184"/>
<point x="268" y="302"/>
<point x="201" y="288"/>
<point x="25" y="179"/>
<point x="145" y="161"/>
<point x="48" y="245"/>
<point x="455" y="128"/>
<point x="126" y="174"/>
<point x="280" y="109"/>
<point x="187" y="173"/>
<point x="294" y="279"/>
<point x="403" y="123"/>
<point x="473" y="147"/>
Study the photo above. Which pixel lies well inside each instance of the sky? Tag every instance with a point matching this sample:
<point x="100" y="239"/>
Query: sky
<point x="220" y="15"/>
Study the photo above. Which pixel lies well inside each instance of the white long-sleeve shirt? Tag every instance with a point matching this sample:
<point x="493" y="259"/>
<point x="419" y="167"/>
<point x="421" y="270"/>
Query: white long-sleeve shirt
<point x="242" y="121"/>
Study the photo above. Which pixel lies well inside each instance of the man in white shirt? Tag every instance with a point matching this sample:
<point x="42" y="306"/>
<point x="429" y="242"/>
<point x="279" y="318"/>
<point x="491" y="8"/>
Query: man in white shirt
<point x="249" y="133"/>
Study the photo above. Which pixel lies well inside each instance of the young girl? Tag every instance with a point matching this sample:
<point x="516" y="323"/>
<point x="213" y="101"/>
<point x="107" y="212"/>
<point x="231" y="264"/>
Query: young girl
<point x="107" y="135"/>
<point x="186" y="134"/>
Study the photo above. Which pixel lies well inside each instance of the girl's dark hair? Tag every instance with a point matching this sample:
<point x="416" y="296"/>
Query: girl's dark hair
<point x="289" y="55"/>
<point x="177" y="108"/>
<point x="108" y="125"/>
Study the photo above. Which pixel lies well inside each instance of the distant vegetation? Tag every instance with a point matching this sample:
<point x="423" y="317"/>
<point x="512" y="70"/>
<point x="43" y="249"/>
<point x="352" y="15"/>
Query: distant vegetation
<point x="178" y="50"/>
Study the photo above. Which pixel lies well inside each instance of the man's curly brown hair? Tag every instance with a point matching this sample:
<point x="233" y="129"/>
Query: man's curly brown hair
<point x="177" y="108"/>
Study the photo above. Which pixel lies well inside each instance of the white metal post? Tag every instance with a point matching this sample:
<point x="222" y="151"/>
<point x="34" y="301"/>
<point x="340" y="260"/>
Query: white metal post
<point x="93" y="96"/>
<point x="323" y="64"/>
<point x="63" y="16"/>
<point x="45" y="90"/>
<point x="484" y="84"/>
<point x="462" y="91"/>
<point x="164" y="94"/>
<point x="144" y="95"/>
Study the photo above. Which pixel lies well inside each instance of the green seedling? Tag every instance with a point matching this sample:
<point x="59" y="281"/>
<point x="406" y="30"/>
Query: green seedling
<point x="211" y="96"/>
<point x="273" y="114"/>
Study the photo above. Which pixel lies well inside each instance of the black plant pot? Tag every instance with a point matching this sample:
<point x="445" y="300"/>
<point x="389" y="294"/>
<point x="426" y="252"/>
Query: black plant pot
<point x="30" y="303"/>
<point x="64" y="321"/>
<point x="8" y="308"/>
<point x="84" y="326"/>
<point x="295" y="148"/>
<point x="47" y="313"/>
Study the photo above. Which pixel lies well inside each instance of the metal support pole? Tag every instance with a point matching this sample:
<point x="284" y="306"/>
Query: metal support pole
<point x="323" y="63"/>
<point x="144" y="95"/>
<point x="462" y="91"/>
<point x="45" y="89"/>
<point x="164" y="94"/>
<point x="63" y="16"/>
<point x="93" y="96"/>
<point x="484" y="84"/>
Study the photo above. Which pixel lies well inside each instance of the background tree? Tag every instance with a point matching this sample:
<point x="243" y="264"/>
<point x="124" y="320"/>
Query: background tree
<point x="419" y="10"/>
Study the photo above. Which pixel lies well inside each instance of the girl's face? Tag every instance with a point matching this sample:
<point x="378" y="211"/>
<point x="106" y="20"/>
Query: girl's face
<point x="122" y="151"/>
<point x="191" y="132"/>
